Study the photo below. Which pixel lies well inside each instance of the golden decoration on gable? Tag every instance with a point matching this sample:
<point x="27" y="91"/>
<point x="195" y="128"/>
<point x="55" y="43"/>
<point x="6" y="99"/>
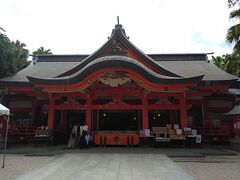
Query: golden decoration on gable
<point x="114" y="79"/>
<point x="163" y="100"/>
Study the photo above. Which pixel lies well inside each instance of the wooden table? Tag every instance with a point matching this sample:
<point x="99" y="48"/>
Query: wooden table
<point x="41" y="140"/>
<point x="122" y="138"/>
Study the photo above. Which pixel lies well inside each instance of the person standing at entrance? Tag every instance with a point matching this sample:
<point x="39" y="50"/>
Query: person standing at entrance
<point x="72" y="143"/>
<point x="83" y="135"/>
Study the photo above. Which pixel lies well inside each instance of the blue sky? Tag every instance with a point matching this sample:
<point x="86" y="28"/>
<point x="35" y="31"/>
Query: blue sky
<point x="154" y="26"/>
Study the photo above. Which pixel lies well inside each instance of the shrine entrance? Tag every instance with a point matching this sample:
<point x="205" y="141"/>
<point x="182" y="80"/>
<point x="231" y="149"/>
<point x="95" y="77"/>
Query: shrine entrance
<point x="118" y="120"/>
<point x="160" y="118"/>
<point x="75" y="116"/>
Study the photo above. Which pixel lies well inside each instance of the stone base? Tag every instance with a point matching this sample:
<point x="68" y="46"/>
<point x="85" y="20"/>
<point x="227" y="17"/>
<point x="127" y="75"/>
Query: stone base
<point x="235" y="143"/>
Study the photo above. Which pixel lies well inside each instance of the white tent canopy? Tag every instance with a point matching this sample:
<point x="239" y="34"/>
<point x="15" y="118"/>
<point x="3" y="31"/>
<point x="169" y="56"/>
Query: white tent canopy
<point x="4" y="110"/>
<point x="234" y="91"/>
<point x="234" y="111"/>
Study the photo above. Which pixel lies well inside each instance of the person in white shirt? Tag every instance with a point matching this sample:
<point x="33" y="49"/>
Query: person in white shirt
<point x="72" y="143"/>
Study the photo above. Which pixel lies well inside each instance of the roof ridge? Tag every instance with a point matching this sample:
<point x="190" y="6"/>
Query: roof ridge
<point x="119" y="32"/>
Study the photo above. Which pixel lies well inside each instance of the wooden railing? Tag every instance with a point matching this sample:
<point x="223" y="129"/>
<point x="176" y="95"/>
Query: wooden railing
<point x="22" y="131"/>
<point x="222" y="131"/>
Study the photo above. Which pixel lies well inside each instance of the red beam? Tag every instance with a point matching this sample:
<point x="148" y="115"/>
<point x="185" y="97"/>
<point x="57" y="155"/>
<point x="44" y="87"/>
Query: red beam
<point x="117" y="91"/>
<point x="39" y="102"/>
<point x="164" y="106"/>
<point x="226" y="97"/>
<point x="117" y="107"/>
<point x="69" y="106"/>
<point x="36" y="94"/>
<point x="213" y="88"/>
<point x="18" y="98"/>
<point x="89" y="113"/>
<point x="219" y="110"/>
<point x="145" y="111"/>
<point x="183" y="111"/>
<point x="19" y="88"/>
<point x="195" y="101"/>
<point x="69" y="94"/>
<point x="135" y="107"/>
<point x="199" y="93"/>
<point x="51" y="111"/>
<point x="164" y="94"/>
<point x="21" y="109"/>
<point x="139" y="79"/>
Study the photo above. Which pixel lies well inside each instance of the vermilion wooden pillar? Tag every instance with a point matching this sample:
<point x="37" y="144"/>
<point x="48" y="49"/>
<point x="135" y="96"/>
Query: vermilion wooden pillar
<point x="89" y="113"/>
<point x="205" y="112"/>
<point x="145" y="111"/>
<point x="33" y="110"/>
<point x="50" y="112"/>
<point x="183" y="110"/>
<point x="63" y="119"/>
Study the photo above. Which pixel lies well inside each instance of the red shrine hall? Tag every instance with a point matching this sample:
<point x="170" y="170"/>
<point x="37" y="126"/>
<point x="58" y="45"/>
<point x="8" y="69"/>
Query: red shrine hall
<point x="118" y="91"/>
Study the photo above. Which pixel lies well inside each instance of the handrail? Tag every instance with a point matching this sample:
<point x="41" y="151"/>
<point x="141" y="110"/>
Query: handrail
<point x="213" y="131"/>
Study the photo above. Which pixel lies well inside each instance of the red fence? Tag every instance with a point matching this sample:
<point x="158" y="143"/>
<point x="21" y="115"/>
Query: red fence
<point x="222" y="131"/>
<point x="22" y="132"/>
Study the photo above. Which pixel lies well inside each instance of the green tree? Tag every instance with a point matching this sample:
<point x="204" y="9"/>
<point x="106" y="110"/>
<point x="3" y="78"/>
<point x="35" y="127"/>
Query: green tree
<point x="13" y="55"/>
<point x="42" y="50"/>
<point x="20" y="55"/>
<point x="6" y="55"/>
<point x="232" y="3"/>
<point x="233" y="34"/>
<point x="229" y="63"/>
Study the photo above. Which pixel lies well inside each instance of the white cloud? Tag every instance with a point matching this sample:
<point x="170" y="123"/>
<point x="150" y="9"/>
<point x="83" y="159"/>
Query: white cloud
<point x="81" y="27"/>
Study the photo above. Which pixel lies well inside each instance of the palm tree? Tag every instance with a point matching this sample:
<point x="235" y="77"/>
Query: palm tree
<point x="42" y="50"/>
<point x="229" y="63"/>
<point x="20" y="55"/>
<point x="233" y="34"/>
<point x="232" y="3"/>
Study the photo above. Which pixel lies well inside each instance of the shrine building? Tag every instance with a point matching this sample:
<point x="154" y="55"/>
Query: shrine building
<point x="119" y="88"/>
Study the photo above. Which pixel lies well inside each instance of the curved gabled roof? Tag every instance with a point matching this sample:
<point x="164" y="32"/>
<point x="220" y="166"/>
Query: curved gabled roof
<point x="40" y="70"/>
<point x="119" y="33"/>
<point x="115" y="62"/>
<point x="234" y="111"/>
<point x="174" y="66"/>
<point x="194" y="68"/>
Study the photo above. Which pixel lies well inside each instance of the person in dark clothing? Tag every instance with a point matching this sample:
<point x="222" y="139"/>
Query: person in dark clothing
<point x="83" y="137"/>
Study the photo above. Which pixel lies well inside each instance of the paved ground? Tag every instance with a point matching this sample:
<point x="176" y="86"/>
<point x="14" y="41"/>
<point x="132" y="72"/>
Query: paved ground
<point x="170" y="152"/>
<point x="109" y="167"/>
<point x="17" y="165"/>
<point x="206" y="162"/>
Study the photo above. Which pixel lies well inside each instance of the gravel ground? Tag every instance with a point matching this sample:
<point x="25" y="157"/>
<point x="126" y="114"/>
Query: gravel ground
<point x="205" y="168"/>
<point x="212" y="167"/>
<point x="16" y="165"/>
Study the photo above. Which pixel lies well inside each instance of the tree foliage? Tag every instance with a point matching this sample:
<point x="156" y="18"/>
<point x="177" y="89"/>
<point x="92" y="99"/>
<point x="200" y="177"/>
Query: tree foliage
<point x="42" y="51"/>
<point x="6" y="56"/>
<point x="20" y="55"/>
<point x="229" y="63"/>
<point x="233" y="34"/>
<point x="232" y="3"/>
<point x="13" y="55"/>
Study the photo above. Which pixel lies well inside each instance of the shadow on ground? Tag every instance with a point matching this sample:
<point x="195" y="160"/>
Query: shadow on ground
<point x="29" y="150"/>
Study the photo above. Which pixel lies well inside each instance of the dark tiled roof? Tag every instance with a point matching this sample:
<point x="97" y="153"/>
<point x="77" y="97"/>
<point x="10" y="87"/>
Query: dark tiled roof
<point x="48" y="69"/>
<point x="119" y="34"/>
<point x="178" y="66"/>
<point x="40" y="70"/>
<point x="155" y="57"/>
<point x="116" y="62"/>
<point x="195" y="68"/>
<point x="179" y="57"/>
<point x="61" y="58"/>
